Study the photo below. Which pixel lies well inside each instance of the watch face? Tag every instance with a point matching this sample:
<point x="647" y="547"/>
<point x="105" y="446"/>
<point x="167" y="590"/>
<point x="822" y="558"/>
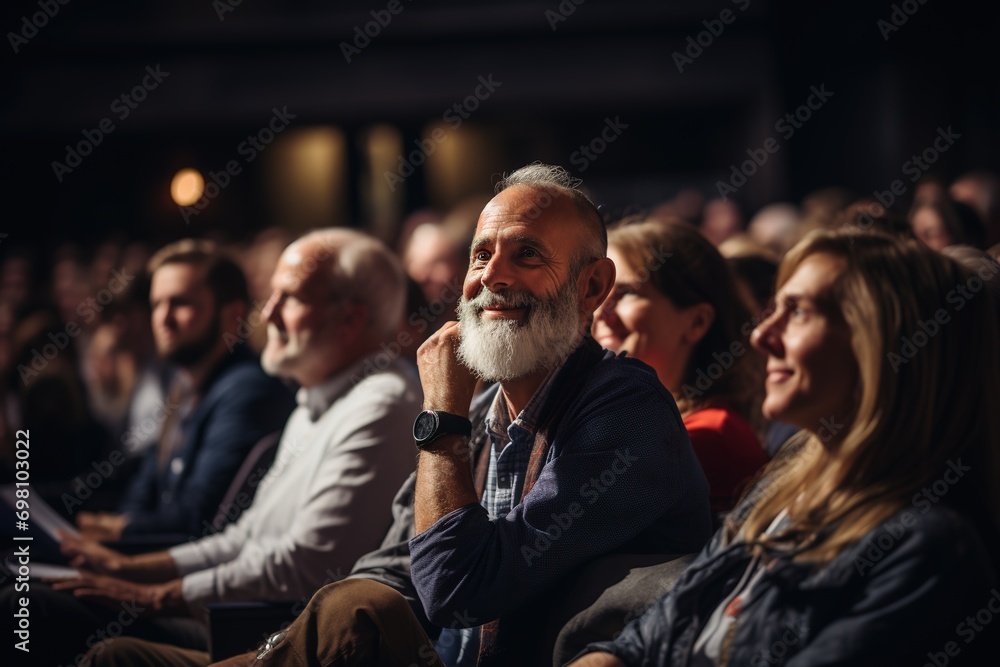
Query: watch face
<point x="425" y="425"/>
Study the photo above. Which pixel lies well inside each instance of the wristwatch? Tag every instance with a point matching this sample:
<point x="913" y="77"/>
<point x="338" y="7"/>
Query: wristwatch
<point x="433" y="424"/>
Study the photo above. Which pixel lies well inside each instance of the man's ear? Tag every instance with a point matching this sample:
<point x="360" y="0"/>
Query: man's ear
<point x="699" y="320"/>
<point x="596" y="281"/>
<point x="356" y="320"/>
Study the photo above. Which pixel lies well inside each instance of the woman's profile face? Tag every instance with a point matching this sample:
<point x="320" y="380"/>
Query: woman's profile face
<point x="639" y="319"/>
<point x="811" y="368"/>
<point x="930" y="228"/>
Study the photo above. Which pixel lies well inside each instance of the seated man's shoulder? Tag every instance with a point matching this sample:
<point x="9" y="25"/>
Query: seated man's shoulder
<point x="396" y="384"/>
<point x="625" y="374"/>
<point x="248" y="373"/>
<point x="624" y="393"/>
<point x="621" y="383"/>
<point x="245" y="386"/>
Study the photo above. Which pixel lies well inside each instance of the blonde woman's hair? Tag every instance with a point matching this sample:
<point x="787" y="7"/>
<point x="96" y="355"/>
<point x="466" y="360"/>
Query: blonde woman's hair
<point x="928" y="378"/>
<point x="693" y="273"/>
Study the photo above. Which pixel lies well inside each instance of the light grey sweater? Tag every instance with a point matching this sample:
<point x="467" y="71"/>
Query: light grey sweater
<point x="343" y="454"/>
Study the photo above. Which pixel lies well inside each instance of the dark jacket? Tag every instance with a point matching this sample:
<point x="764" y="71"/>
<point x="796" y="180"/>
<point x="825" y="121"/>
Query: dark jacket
<point x="619" y="476"/>
<point x="239" y="406"/>
<point x="902" y="595"/>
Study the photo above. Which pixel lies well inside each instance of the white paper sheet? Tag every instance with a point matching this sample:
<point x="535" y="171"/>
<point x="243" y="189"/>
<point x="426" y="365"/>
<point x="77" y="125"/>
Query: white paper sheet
<point x="41" y="513"/>
<point x="45" y="570"/>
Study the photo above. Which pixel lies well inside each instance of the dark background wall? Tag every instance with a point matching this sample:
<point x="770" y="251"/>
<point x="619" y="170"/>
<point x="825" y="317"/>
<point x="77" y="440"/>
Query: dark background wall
<point x="606" y="60"/>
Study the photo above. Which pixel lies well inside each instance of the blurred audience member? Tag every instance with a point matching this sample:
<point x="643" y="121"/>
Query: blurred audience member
<point x="15" y="292"/>
<point x="754" y="267"/>
<point x="434" y="257"/>
<point x="929" y="189"/>
<point x="981" y="191"/>
<point x="821" y="207"/>
<point x="688" y="205"/>
<point x="130" y="317"/>
<point x="70" y="288"/>
<point x="219" y="406"/>
<point x="127" y="387"/>
<point x="45" y="394"/>
<point x="16" y="279"/>
<point x="261" y="258"/>
<point x="411" y="222"/>
<point x="984" y="268"/>
<point x="135" y="257"/>
<point x="776" y="226"/>
<point x="436" y="261"/>
<point x="110" y="376"/>
<point x="676" y="307"/>
<point x="754" y="276"/>
<point x="721" y="220"/>
<point x="944" y="222"/>
<point x="106" y="258"/>
<point x="868" y="215"/>
<point x="416" y="328"/>
<point x="994" y="252"/>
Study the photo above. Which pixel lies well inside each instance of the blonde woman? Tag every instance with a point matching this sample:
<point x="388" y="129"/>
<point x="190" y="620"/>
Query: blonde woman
<point x="676" y="307"/>
<point x="876" y="543"/>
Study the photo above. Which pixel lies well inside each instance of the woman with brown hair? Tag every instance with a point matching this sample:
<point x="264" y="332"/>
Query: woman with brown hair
<point x="676" y="307"/>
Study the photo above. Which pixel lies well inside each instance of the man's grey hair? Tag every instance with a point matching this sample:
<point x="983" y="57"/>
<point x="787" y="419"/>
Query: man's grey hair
<point x="364" y="271"/>
<point x="554" y="179"/>
<point x="538" y="174"/>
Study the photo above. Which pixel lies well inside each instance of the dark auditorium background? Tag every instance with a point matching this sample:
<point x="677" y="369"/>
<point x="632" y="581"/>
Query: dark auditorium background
<point x="551" y="76"/>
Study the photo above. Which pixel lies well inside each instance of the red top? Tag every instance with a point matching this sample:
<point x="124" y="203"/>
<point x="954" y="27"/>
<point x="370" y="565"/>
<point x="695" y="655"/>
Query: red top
<point x="729" y="452"/>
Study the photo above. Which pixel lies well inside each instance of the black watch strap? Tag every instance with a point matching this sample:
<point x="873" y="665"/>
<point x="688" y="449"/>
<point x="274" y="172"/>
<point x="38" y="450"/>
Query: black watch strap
<point x="433" y="424"/>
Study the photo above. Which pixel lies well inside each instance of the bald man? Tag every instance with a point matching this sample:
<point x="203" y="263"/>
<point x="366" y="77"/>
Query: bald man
<point x="337" y="294"/>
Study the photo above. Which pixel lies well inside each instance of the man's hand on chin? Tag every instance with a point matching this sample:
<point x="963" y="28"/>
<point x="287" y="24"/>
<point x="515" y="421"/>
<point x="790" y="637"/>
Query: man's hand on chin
<point x="448" y="385"/>
<point x="444" y="477"/>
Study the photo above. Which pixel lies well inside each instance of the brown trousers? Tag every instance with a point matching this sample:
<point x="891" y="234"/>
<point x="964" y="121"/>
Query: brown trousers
<point x="132" y="652"/>
<point x="347" y="623"/>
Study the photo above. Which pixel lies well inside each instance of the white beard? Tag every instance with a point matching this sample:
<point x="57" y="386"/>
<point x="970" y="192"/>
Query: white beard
<point x="501" y="350"/>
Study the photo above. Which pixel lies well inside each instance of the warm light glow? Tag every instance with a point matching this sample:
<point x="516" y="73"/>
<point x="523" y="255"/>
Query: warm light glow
<point x="305" y="172"/>
<point x="463" y="160"/>
<point x="383" y="189"/>
<point x="187" y="187"/>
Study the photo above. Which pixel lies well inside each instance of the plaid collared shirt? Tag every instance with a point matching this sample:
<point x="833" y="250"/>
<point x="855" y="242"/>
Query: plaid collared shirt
<point x="510" y="451"/>
<point x="511" y="444"/>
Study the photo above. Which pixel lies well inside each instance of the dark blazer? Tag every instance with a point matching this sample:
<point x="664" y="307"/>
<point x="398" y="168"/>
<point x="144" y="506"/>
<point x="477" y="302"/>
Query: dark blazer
<point x="240" y="405"/>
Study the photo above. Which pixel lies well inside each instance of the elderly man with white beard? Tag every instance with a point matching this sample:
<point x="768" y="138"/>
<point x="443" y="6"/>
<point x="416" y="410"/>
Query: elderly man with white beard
<point x="575" y="454"/>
